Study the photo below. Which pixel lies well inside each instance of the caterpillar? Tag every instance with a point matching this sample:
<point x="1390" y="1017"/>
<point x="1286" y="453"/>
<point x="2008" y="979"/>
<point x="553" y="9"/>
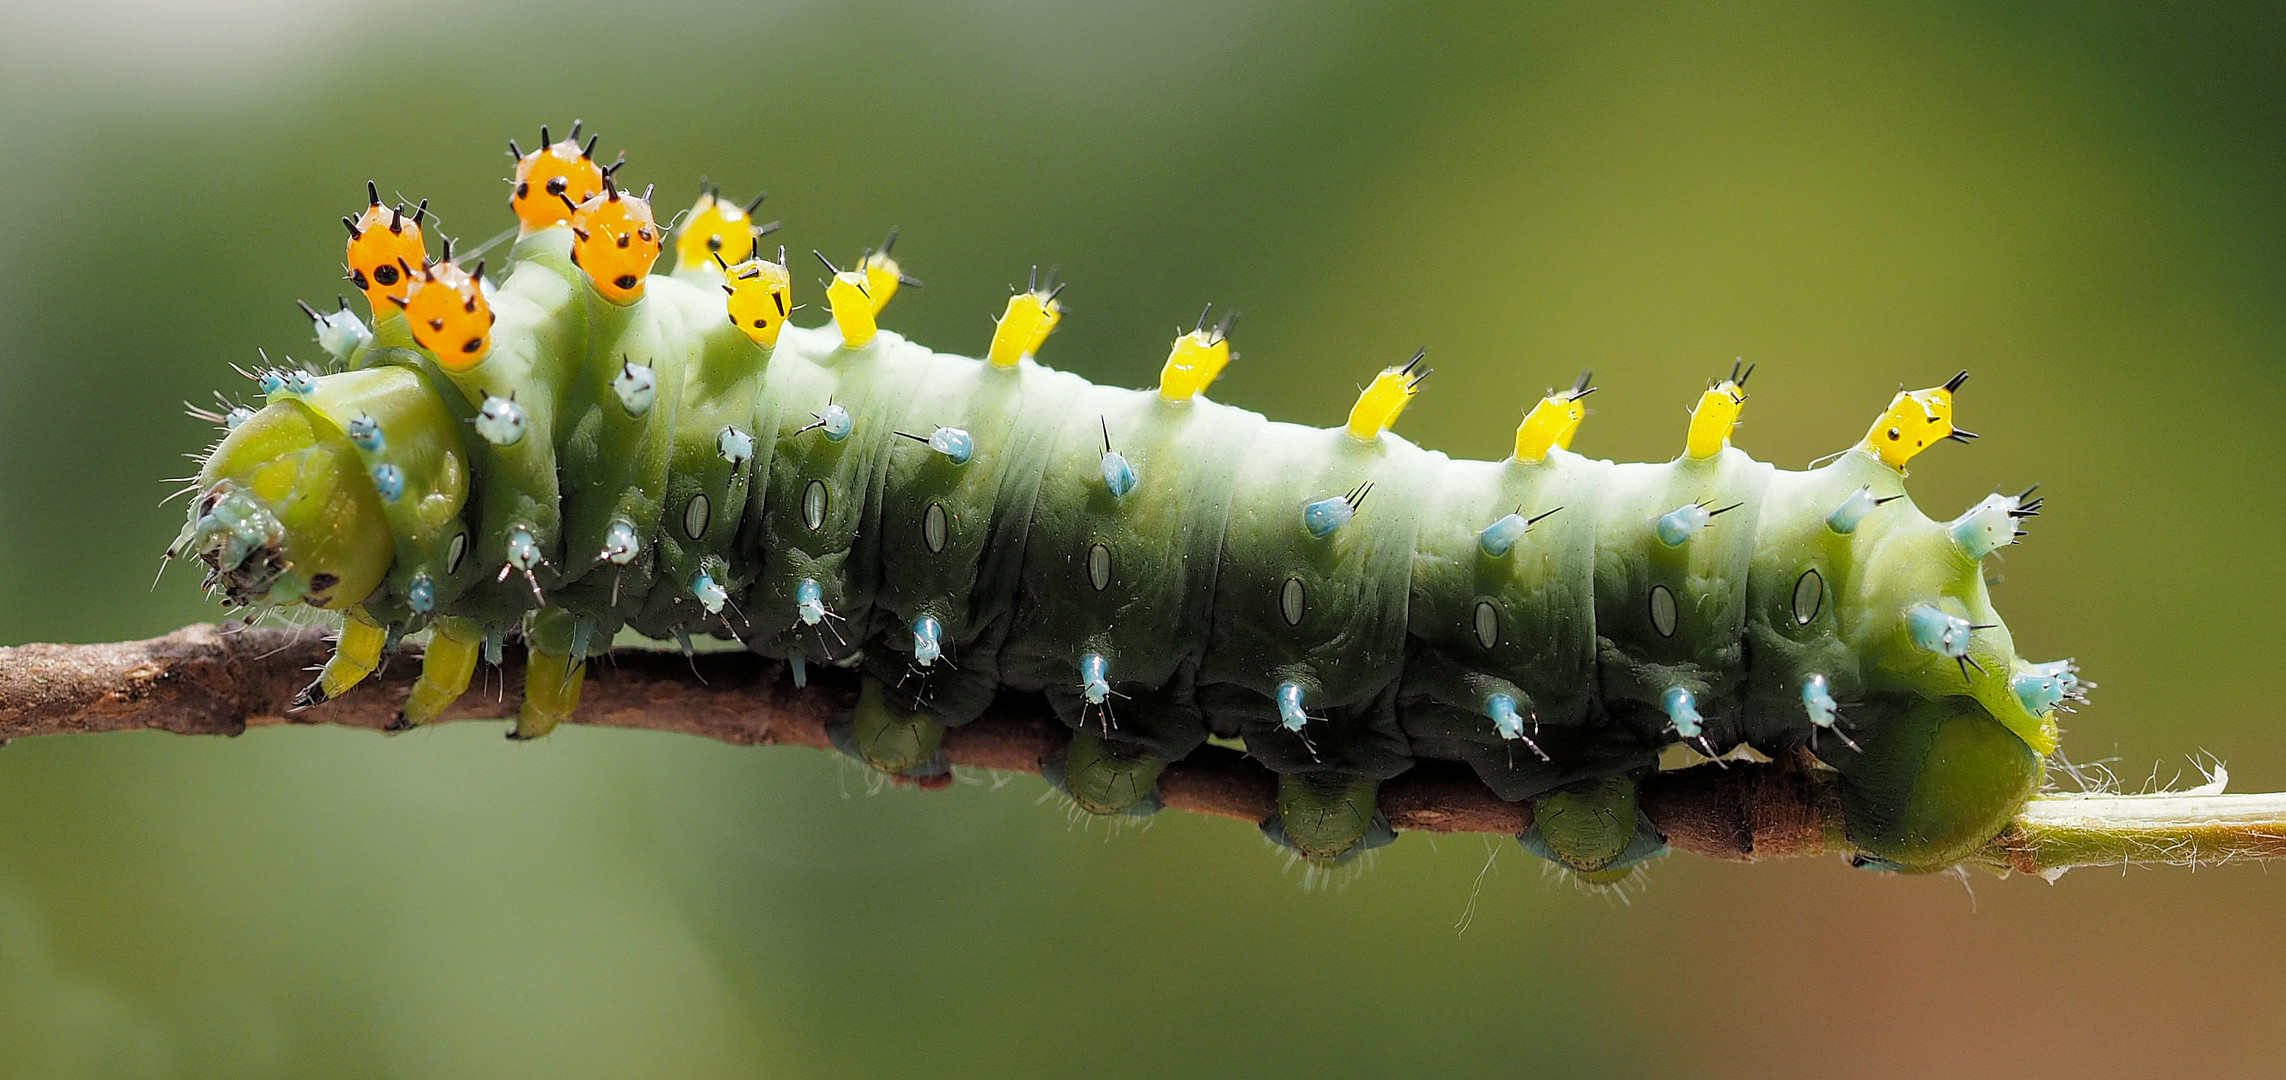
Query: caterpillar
<point x="581" y="444"/>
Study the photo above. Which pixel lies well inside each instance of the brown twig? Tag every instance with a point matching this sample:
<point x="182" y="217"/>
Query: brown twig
<point x="210" y="680"/>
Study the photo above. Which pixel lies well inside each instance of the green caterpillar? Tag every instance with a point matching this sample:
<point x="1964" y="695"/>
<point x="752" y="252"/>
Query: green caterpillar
<point x="585" y="446"/>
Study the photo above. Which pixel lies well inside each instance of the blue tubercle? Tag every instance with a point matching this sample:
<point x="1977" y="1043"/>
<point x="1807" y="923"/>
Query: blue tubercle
<point x="809" y="602"/>
<point x="1935" y="631"/>
<point x="235" y="417"/>
<point x="637" y="386"/>
<point x="341" y="333"/>
<point x="621" y="544"/>
<point x="365" y="434"/>
<point x="389" y="481"/>
<point x="1992" y="523"/>
<point x="953" y="443"/>
<point x="836" y="422"/>
<point x="709" y="595"/>
<point x="2043" y="687"/>
<point x="1818" y="701"/>
<point x="1326" y="515"/>
<point x="734" y="446"/>
<point x="421" y="595"/>
<point x="523" y="551"/>
<point x="1290" y="714"/>
<point x="1095" y="683"/>
<point x="926" y="647"/>
<point x="1676" y="527"/>
<point x="1501" y="536"/>
<point x="1118" y="475"/>
<point x="1682" y="709"/>
<point x="1853" y="510"/>
<point x="1506" y="720"/>
<point x="501" y="421"/>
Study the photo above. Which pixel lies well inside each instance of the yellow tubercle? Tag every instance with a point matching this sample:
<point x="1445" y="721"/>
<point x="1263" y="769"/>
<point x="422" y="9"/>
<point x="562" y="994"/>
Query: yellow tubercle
<point x="552" y="180"/>
<point x="716" y="233"/>
<point x="1031" y="316"/>
<point x="1914" y="421"/>
<point x="383" y="241"/>
<point x="1196" y="360"/>
<point x="851" y="303"/>
<point x="882" y="277"/>
<point x="761" y="296"/>
<point x="1384" y="398"/>
<point x="615" y="239"/>
<point x="449" y="313"/>
<point x="1051" y="313"/>
<point x="1553" y="422"/>
<point x="1716" y="415"/>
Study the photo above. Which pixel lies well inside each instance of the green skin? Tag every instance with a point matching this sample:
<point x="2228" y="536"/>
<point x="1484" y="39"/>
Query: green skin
<point x="1028" y="562"/>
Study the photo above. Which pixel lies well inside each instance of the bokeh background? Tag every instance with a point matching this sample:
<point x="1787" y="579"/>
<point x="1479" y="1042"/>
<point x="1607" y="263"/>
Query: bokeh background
<point x="2082" y="203"/>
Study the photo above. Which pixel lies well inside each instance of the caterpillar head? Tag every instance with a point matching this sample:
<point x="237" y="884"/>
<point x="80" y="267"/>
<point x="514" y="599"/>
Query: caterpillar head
<point x="760" y="297"/>
<point x="717" y="233"/>
<point x="615" y="239"/>
<point x="449" y="313"/>
<point x="553" y="179"/>
<point x="286" y="513"/>
<point x="1915" y="421"/>
<point x="382" y="242"/>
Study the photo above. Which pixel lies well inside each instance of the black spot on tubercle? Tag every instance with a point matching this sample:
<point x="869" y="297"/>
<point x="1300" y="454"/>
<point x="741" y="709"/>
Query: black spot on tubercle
<point x="624" y="281"/>
<point x="385" y="274"/>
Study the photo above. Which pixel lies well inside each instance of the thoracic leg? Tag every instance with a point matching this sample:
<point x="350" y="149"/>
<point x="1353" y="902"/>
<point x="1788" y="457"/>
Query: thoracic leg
<point x="355" y="656"/>
<point x="446" y="669"/>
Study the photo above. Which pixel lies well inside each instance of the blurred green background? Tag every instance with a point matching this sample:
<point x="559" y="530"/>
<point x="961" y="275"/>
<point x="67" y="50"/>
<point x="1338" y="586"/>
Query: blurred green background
<point x="2081" y="203"/>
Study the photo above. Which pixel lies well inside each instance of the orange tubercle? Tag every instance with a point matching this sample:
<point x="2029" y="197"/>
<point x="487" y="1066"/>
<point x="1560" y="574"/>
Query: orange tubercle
<point x="615" y="239"/>
<point x="449" y="313"/>
<point x="382" y="241"/>
<point x="553" y="179"/>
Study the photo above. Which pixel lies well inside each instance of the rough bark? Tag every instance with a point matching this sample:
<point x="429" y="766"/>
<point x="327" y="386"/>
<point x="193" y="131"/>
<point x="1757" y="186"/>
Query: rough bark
<point x="218" y="680"/>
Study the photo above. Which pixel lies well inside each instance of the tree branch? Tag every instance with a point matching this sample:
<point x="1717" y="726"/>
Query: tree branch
<point x="210" y="680"/>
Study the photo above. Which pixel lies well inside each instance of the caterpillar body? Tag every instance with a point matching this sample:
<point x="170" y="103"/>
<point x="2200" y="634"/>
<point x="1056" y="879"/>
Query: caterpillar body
<point x="585" y="445"/>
